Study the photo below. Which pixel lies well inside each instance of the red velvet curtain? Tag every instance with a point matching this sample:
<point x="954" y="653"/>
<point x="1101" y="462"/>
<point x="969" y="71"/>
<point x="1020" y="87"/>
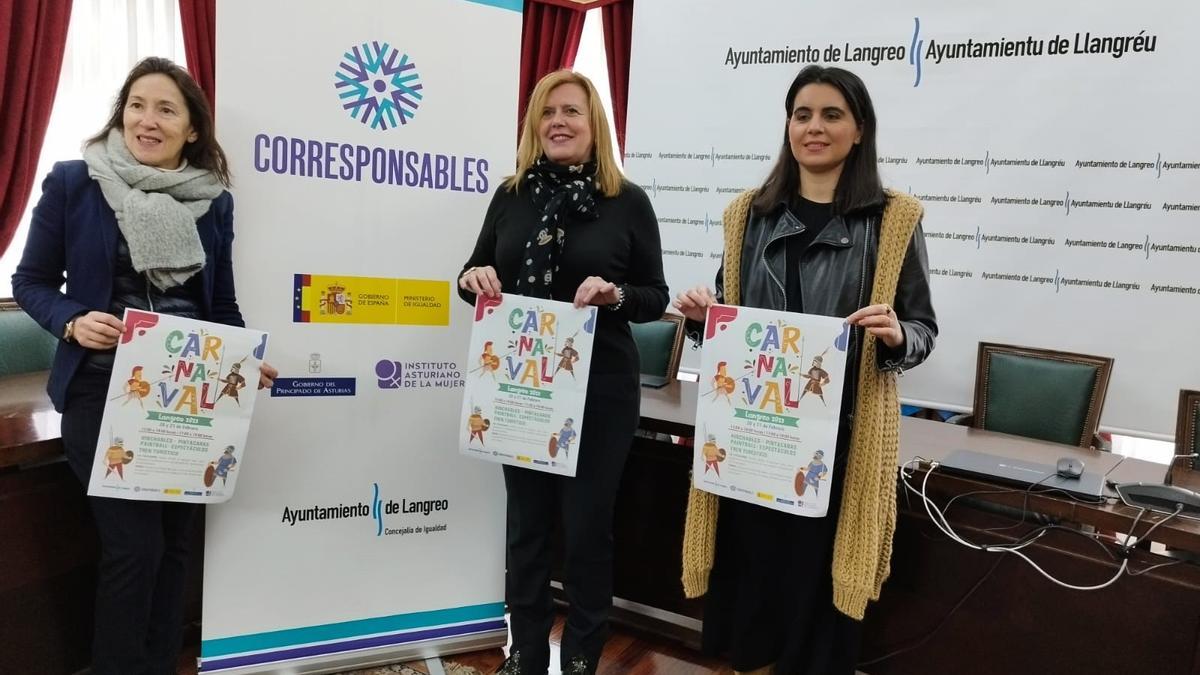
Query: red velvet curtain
<point x="618" y="36"/>
<point x="33" y="37"/>
<point x="549" y="41"/>
<point x="199" y="19"/>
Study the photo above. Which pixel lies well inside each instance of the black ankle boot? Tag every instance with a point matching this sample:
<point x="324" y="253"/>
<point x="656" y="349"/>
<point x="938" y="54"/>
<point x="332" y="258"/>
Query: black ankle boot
<point x="511" y="665"/>
<point x="579" y="666"/>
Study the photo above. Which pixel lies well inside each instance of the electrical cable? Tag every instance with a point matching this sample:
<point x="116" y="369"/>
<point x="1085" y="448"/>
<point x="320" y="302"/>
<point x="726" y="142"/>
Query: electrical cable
<point x="938" y="627"/>
<point x="1029" y="538"/>
<point x="1128" y="537"/>
<point x="1151" y="568"/>
<point x="944" y="525"/>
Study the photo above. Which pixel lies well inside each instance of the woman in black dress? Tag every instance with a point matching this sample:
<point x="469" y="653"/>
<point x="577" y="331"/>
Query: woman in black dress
<point x="787" y="593"/>
<point x="568" y="227"/>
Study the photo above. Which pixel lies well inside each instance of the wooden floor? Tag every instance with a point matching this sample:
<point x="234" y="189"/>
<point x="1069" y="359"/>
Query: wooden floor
<point x="625" y="653"/>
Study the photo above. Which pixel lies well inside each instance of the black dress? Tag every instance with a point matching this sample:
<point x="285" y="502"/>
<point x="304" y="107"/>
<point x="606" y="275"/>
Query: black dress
<point x="621" y="246"/>
<point x="770" y="597"/>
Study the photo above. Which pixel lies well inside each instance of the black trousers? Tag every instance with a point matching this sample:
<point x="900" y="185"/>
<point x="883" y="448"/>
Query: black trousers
<point x="143" y="554"/>
<point x="585" y="502"/>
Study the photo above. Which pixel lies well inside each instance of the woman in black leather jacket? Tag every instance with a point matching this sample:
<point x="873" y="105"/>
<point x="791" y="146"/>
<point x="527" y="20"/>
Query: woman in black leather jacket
<point x="811" y="242"/>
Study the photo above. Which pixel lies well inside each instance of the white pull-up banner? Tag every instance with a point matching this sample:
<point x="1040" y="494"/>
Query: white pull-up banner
<point x="365" y="140"/>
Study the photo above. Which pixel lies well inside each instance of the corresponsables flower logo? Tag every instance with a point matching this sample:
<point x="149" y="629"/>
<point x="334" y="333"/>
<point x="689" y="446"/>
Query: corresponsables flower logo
<point x="378" y="85"/>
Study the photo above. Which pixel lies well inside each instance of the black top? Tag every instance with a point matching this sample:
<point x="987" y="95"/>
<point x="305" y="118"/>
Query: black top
<point x="814" y="216"/>
<point x="131" y="290"/>
<point x="621" y="246"/>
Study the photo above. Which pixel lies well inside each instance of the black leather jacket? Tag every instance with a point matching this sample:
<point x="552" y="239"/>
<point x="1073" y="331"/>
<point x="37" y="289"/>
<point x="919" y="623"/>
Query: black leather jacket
<point x="836" y="275"/>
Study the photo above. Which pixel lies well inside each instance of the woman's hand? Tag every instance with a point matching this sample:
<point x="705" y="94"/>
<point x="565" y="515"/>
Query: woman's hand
<point x="880" y="321"/>
<point x="596" y="291"/>
<point x="694" y="303"/>
<point x="481" y="281"/>
<point x="97" y="330"/>
<point x="266" y="375"/>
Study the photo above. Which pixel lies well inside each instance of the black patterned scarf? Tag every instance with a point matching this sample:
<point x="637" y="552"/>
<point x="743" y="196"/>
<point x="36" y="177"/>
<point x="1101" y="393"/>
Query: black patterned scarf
<point x="561" y="193"/>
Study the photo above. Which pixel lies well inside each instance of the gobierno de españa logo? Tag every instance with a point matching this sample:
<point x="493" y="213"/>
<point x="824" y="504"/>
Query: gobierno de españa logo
<point x="378" y="85"/>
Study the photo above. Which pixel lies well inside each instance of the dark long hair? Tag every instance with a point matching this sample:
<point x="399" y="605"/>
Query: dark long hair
<point x="204" y="152"/>
<point x="859" y="187"/>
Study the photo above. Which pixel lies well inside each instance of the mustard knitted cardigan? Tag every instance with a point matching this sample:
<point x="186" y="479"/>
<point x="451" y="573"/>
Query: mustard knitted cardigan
<point x="862" y="548"/>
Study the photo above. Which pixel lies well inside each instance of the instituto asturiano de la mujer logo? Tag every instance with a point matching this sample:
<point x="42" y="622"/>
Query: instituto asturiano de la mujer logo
<point x="378" y="85"/>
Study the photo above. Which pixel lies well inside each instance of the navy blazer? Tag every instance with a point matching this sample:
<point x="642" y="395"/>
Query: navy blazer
<point x="74" y="231"/>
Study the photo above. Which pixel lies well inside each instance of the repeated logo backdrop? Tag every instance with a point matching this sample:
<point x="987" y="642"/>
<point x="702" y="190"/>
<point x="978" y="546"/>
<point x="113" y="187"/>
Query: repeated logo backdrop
<point x="1047" y="222"/>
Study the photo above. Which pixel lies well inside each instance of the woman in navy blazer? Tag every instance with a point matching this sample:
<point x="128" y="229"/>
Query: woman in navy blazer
<point x="143" y="222"/>
<point x="75" y="232"/>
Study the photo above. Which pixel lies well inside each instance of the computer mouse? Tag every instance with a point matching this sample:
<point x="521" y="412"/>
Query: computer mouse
<point x="1069" y="467"/>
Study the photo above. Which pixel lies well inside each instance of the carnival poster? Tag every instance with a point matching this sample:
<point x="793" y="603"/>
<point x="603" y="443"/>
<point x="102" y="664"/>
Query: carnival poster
<point x="527" y="382"/>
<point x="179" y="407"/>
<point x="768" y="407"/>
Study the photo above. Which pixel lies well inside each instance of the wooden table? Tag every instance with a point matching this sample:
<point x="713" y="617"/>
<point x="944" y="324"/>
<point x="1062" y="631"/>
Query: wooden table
<point x="1016" y="620"/>
<point x="1189" y="480"/>
<point x="672" y="410"/>
<point x="47" y="560"/>
<point x="29" y="425"/>
<point x="934" y="440"/>
<point x="49" y="550"/>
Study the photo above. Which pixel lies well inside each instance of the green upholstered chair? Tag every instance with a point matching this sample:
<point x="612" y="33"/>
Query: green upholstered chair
<point x="659" y="345"/>
<point x="24" y="346"/>
<point x="1187" y="433"/>
<point x="1040" y="393"/>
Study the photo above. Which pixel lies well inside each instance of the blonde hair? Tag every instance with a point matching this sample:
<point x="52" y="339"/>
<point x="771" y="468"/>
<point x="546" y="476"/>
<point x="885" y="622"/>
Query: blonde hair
<point x="608" y="174"/>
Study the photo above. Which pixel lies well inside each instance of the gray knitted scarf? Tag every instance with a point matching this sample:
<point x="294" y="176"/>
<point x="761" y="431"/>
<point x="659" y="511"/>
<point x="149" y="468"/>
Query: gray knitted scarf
<point x="156" y="210"/>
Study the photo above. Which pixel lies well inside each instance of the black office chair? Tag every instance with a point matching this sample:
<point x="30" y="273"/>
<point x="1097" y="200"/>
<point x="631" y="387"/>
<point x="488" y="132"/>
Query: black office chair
<point x="1040" y="393"/>
<point x="659" y="344"/>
